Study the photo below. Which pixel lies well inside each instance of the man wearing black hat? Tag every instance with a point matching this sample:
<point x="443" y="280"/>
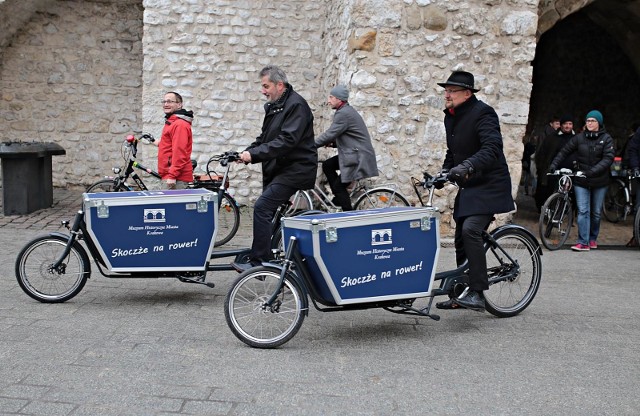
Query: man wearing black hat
<point x="356" y="157"/>
<point x="476" y="162"/>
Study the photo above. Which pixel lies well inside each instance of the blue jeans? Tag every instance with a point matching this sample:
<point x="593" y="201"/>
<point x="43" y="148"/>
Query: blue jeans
<point x="589" y="202"/>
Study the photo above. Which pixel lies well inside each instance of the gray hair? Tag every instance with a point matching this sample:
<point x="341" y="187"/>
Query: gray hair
<point x="274" y="73"/>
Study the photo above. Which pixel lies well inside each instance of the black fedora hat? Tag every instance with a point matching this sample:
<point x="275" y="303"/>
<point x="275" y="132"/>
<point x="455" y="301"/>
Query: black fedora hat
<point x="461" y="79"/>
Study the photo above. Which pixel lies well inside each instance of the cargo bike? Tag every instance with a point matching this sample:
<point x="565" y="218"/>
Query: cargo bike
<point x="380" y="258"/>
<point x="134" y="234"/>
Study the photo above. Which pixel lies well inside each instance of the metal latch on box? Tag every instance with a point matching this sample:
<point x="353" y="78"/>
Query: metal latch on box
<point x="102" y="210"/>
<point x="331" y="234"/>
<point x="203" y="206"/>
<point x="425" y="222"/>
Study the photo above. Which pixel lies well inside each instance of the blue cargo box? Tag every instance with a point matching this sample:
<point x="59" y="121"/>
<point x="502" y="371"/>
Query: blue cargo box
<point x="171" y="230"/>
<point x="367" y="256"/>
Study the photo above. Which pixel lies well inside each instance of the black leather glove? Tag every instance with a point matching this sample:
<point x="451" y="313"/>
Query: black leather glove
<point x="461" y="173"/>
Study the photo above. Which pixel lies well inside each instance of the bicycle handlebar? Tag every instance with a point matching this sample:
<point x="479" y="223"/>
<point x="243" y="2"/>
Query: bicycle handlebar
<point x="568" y="172"/>
<point x="438" y="181"/>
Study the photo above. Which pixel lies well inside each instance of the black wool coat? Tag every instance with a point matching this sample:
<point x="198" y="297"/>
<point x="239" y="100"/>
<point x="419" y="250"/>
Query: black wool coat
<point x="286" y="146"/>
<point x="473" y="134"/>
<point x="594" y="153"/>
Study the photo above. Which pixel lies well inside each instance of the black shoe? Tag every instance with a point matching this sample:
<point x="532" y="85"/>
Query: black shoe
<point x="447" y="304"/>
<point x="471" y="300"/>
<point x="242" y="267"/>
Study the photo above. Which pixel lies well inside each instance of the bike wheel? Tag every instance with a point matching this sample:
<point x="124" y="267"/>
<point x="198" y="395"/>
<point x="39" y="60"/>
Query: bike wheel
<point x="40" y="281"/>
<point x="556" y="219"/>
<point x="300" y="201"/>
<point x="515" y="270"/>
<point x="380" y="198"/>
<point x="228" y="220"/>
<point x="104" y="185"/>
<point x="615" y="201"/>
<point x="255" y="324"/>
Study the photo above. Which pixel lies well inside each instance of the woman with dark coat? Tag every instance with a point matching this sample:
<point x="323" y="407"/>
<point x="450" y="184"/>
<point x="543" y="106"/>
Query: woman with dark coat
<point x="595" y="152"/>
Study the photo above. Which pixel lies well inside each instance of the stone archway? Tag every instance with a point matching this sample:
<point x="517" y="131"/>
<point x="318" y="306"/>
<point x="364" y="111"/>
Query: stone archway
<point x="588" y="56"/>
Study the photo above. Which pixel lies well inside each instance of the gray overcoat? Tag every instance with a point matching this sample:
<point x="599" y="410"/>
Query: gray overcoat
<point x="356" y="156"/>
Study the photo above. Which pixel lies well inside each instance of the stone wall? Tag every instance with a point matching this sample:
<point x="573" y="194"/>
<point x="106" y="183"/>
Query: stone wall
<point x="72" y="74"/>
<point x="211" y="53"/>
<point x="82" y="74"/>
<point x="390" y="54"/>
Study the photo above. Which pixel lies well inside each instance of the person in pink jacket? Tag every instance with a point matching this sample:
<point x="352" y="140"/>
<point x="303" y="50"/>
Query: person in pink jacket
<point x="174" y="149"/>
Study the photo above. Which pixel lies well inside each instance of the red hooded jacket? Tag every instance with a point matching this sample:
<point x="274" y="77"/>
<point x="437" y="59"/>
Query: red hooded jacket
<point x="174" y="150"/>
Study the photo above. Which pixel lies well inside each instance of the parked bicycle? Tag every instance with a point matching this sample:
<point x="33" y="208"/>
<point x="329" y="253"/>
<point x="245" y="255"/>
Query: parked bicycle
<point x="556" y="215"/>
<point x="618" y="202"/>
<point x="119" y="182"/>
<point x="380" y="259"/>
<point x="127" y="179"/>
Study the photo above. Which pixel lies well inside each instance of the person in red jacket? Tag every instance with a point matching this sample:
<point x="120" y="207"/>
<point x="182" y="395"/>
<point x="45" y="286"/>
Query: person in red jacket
<point x="174" y="149"/>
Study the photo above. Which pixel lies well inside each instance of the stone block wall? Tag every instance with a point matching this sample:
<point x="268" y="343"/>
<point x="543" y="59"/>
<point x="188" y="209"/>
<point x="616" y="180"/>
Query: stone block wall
<point x="72" y="74"/>
<point x="390" y="54"/>
<point x="86" y="73"/>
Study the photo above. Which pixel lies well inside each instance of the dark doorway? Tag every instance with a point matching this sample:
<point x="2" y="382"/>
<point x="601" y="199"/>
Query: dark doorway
<point x="579" y="67"/>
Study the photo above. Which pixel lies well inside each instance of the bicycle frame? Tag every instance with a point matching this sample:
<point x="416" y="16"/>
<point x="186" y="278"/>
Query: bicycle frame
<point x="452" y="282"/>
<point x="129" y="170"/>
<point x="78" y="232"/>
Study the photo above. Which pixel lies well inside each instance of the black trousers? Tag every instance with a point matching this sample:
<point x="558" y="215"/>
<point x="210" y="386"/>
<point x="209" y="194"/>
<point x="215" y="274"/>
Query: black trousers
<point x="330" y="168"/>
<point x="272" y="197"/>
<point x="469" y="246"/>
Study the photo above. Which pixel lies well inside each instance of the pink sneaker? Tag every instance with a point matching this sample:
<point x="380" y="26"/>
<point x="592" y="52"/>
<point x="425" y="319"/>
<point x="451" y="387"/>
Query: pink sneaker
<point x="580" y="247"/>
<point x="593" y="244"/>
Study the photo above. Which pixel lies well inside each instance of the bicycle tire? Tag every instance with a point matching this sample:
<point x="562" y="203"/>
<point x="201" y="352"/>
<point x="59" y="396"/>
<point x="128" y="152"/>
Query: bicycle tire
<point x="513" y="280"/>
<point x="38" y="280"/>
<point x="636" y="226"/>
<point x="300" y="201"/>
<point x="106" y="185"/>
<point x="380" y="198"/>
<point x="276" y="237"/>
<point x="615" y="201"/>
<point x="555" y="222"/>
<point x="255" y="325"/>
<point x="228" y="220"/>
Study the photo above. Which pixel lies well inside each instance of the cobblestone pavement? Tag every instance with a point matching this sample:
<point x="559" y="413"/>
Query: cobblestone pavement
<point x="157" y="346"/>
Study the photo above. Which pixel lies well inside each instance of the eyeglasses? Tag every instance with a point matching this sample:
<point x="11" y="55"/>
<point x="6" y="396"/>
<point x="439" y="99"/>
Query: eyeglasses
<point x="591" y="120"/>
<point x="452" y="91"/>
<point x="163" y="102"/>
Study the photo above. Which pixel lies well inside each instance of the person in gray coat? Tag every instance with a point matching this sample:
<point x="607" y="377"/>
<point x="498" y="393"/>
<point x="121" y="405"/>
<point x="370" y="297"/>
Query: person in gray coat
<point x="356" y="158"/>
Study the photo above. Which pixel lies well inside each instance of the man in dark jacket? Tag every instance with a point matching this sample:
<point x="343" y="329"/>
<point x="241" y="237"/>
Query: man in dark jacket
<point x="548" y="150"/>
<point x="476" y="162"/>
<point x="288" y="154"/>
<point x="356" y="158"/>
